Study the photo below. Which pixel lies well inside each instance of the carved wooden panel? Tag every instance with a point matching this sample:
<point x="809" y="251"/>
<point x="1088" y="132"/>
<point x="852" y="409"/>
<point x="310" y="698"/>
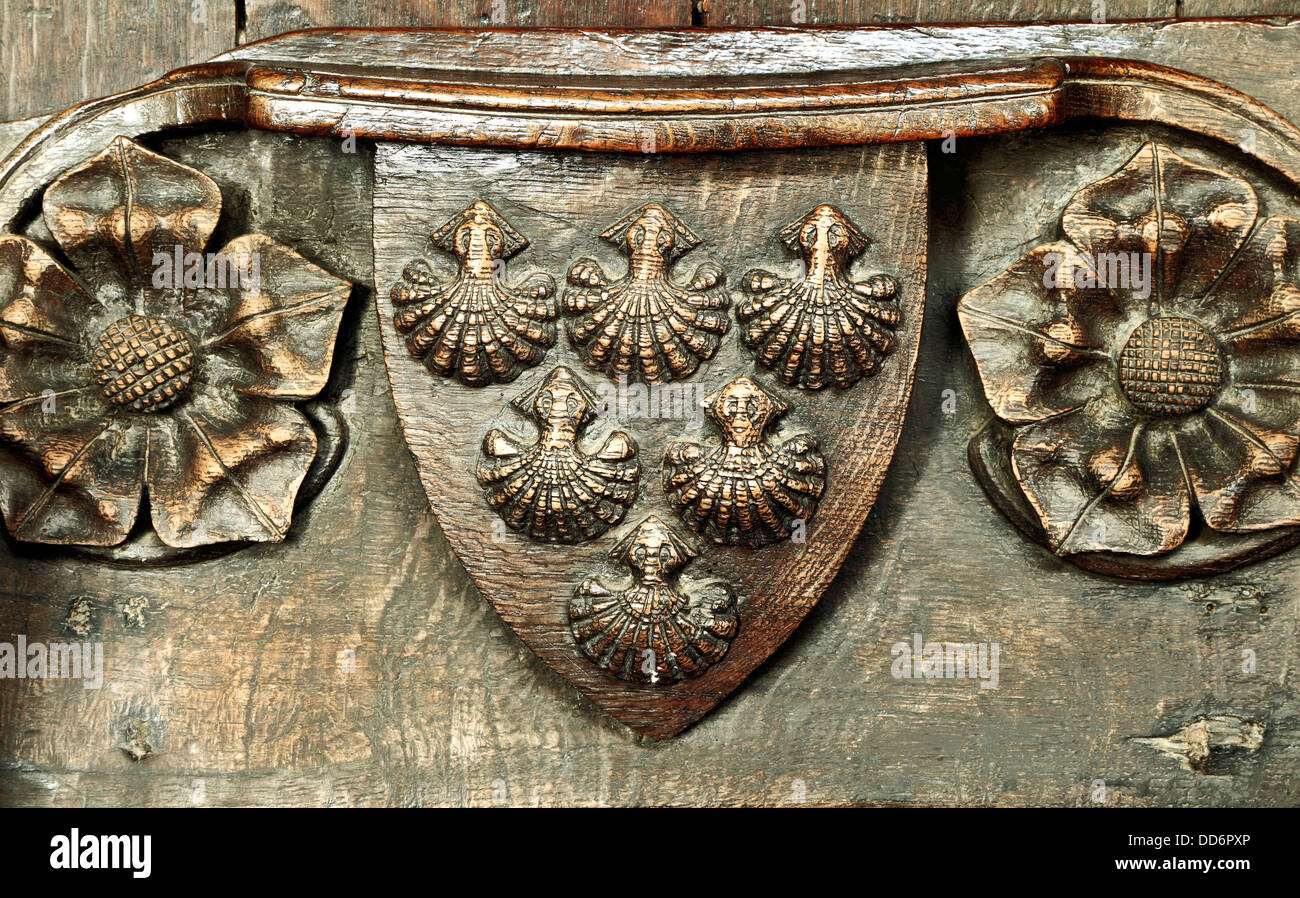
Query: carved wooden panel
<point x="651" y="392"/>
<point x="1143" y="368"/>
<point x="155" y="372"/>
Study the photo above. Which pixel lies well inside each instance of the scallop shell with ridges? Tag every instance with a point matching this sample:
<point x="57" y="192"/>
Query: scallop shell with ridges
<point x="821" y="328"/>
<point x="646" y="327"/>
<point x="550" y="490"/>
<point x="654" y="631"/>
<point x="744" y="492"/>
<point x="473" y="327"/>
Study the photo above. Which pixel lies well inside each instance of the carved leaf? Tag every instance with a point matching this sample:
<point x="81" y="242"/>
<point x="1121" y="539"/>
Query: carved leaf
<point x="1100" y="480"/>
<point x="227" y="468"/>
<point x="1241" y="470"/>
<point x="41" y="327"/>
<point x="1041" y="350"/>
<point x="1190" y="219"/>
<point x="70" y="474"/>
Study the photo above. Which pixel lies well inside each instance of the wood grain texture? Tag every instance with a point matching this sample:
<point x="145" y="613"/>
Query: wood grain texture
<point x="875" y="12"/>
<point x="428" y="104"/>
<point x="55" y="53"/>
<point x="1209" y="9"/>
<point x="266" y="18"/>
<point x="241" y="669"/>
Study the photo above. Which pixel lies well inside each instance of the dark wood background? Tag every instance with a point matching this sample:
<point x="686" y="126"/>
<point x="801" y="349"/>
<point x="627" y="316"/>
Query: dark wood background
<point x="238" y="666"/>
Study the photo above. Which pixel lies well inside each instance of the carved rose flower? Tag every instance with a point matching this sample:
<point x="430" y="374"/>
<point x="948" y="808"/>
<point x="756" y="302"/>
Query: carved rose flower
<point x="1134" y="403"/>
<point x="129" y="377"/>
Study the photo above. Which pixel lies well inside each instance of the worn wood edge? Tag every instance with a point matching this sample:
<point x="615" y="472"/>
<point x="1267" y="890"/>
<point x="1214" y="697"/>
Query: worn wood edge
<point x="639" y="95"/>
<point x="700" y="52"/>
<point x="1039" y="93"/>
<point x="1124" y="90"/>
<point x="645" y="115"/>
<point x="212" y="93"/>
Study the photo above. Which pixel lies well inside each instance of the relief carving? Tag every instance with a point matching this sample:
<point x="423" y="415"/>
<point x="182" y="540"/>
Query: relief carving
<point x="1141" y="414"/>
<point x="472" y="326"/>
<point x="131" y="377"/>
<point x="551" y="490"/>
<point x="653" y="631"/>
<point x="822" y="327"/>
<point x="645" y="326"/>
<point x="744" y="492"/>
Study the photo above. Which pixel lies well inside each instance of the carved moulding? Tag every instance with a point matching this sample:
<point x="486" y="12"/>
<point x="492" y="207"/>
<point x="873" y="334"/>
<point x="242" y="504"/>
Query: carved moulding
<point x="471" y="326"/>
<point x="152" y="369"/>
<point x="645" y="326"/>
<point x="744" y="492"/>
<point x="1147" y="424"/>
<point x="551" y="490"/>
<point x="654" y="630"/>
<point x="822" y="327"/>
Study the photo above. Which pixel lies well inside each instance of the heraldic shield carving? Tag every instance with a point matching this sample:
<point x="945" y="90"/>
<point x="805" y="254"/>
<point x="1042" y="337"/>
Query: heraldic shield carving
<point x="656" y="469"/>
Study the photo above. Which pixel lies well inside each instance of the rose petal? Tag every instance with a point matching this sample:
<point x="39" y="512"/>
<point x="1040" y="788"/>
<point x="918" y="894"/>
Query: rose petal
<point x="283" y="325"/>
<point x="1188" y="219"/>
<point x="1241" y="470"/>
<point x="227" y="468"/>
<point x="44" y="314"/>
<point x="1041" y="350"/>
<point x="1100" y="480"/>
<point x="113" y="213"/>
<point x="1255" y="309"/>
<point x="68" y="473"/>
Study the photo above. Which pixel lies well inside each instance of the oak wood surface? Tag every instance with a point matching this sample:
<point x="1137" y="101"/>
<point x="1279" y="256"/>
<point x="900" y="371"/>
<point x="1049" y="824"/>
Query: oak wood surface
<point x="54" y="53"/>
<point x="241" y="668"/>
<point x="270" y="17"/>
<point x="874" y="12"/>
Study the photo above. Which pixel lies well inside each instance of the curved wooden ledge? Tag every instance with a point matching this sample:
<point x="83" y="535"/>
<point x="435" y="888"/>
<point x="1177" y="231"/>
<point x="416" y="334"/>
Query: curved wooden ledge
<point x="430" y="98"/>
<point x="643" y="114"/>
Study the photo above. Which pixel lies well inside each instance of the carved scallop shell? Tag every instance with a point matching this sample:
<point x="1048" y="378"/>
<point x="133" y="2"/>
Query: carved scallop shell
<point x="473" y="327"/>
<point x="551" y="490"/>
<point x="653" y="631"/>
<point x="645" y="326"/>
<point x="744" y="492"/>
<point x="821" y="328"/>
